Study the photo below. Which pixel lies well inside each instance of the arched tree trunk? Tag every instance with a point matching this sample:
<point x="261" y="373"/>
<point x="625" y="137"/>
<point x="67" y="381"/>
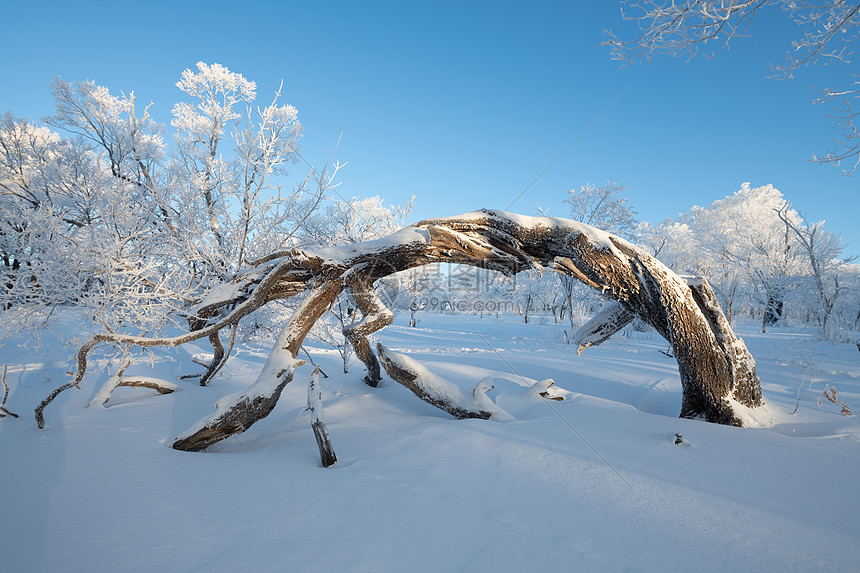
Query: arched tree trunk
<point x="717" y="372"/>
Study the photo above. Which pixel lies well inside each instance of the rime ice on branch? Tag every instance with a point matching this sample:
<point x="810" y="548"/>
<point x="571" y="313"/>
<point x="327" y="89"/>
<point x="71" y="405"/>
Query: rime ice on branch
<point x="717" y="372"/>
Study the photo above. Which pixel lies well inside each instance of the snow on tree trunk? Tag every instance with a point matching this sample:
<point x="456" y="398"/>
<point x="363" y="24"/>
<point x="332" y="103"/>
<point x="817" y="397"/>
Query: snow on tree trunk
<point x="437" y="391"/>
<point x="717" y="373"/>
<point x="602" y="326"/>
<point x="239" y="411"/>
<point x="327" y="456"/>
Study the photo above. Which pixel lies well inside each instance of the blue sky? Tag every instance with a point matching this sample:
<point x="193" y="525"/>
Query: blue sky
<point x="464" y="104"/>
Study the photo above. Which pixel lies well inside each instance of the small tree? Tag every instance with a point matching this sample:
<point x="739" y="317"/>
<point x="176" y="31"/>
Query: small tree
<point x="741" y="237"/>
<point x="822" y="250"/>
<point x="116" y="222"/>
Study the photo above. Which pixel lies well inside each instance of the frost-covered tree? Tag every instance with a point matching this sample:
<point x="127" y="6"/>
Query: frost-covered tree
<point x="754" y="250"/>
<point x="128" y="140"/>
<point x="675" y="244"/>
<point x="603" y="207"/>
<point x="743" y="239"/>
<point x="114" y="220"/>
<point x="822" y="250"/>
<point x="343" y="222"/>
<point x="847" y="306"/>
<point x="74" y="220"/>
<point x="829" y="32"/>
<point x="26" y="159"/>
<point x="228" y="157"/>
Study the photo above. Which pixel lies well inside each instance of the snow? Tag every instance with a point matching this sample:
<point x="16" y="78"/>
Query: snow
<point x="405" y="236"/>
<point x="599" y="238"/>
<point x="232" y="289"/>
<point x="765" y="416"/>
<point x="594" y="482"/>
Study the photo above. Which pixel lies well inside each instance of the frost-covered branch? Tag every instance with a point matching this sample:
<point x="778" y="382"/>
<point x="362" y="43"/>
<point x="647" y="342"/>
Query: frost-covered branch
<point x="830" y="33"/>
<point x="683" y="28"/>
<point x="822" y="249"/>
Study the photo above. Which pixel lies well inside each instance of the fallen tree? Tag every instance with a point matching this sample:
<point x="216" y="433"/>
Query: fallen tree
<point x="718" y="376"/>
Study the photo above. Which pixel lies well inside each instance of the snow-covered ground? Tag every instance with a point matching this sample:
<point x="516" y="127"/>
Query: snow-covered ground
<point x="592" y="483"/>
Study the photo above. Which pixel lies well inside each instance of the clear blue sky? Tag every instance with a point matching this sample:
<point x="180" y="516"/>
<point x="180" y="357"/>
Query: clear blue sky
<point x="464" y="104"/>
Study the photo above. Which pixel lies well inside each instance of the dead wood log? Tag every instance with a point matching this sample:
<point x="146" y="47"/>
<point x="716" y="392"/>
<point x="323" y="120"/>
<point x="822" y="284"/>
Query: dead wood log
<point x="117" y="380"/>
<point x="434" y="390"/>
<point x="327" y="455"/>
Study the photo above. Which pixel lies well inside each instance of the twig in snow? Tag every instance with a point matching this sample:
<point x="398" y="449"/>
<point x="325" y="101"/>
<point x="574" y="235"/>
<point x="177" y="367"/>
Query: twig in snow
<point x="3" y="410"/>
<point x="314" y="364"/>
<point x="830" y="394"/>
<point x="797" y="404"/>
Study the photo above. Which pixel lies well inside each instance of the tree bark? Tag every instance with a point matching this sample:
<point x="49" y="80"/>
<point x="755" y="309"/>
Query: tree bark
<point x="238" y="412"/>
<point x="376" y="316"/>
<point x="3" y="411"/>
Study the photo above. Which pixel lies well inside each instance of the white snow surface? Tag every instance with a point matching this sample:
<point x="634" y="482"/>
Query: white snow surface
<point x="594" y="482"/>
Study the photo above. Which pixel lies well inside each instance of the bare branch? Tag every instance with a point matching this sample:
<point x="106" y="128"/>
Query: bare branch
<point x="683" y="29"/>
